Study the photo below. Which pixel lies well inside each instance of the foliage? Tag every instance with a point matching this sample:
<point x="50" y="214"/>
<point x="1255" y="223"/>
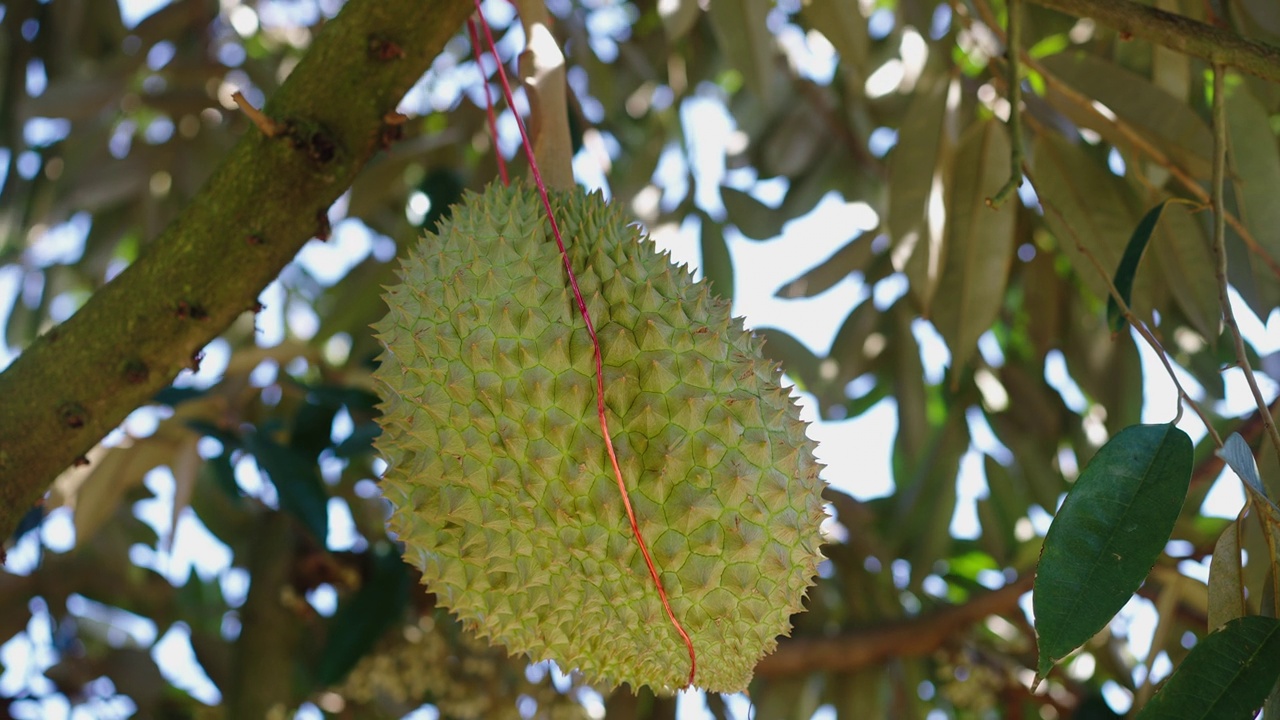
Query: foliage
<point x="112" y="126"/>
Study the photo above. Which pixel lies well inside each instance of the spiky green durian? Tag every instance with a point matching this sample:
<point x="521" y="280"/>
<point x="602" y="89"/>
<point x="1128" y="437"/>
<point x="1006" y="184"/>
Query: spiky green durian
<point x="497" y="471"/>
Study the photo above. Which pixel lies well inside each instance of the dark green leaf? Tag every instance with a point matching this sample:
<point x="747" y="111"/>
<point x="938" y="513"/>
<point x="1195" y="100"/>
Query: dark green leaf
<point x="752" y="217"/>
<point x="853" y="257"/>
<point x="1227" y="674"/>
<point x="312" y="428"/>
<point x="359" y="441"/>
<point x="1112" y="526"/>
<point x="174" y="396"/>
<point x="365" y="616"/>
<point x="297" y="481"/>
<point x="1128" y="268"/>
<point x="717" y="264"/>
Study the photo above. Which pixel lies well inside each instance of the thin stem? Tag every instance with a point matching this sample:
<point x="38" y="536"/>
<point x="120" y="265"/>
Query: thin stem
<point x="266" y="125"/>
<point x="1013" y="48"/>
<point x="1177" y="32"/>
<point x="488" y="99"/>
<point x="1220" y="249"/>
<point x="1134" y="138"/>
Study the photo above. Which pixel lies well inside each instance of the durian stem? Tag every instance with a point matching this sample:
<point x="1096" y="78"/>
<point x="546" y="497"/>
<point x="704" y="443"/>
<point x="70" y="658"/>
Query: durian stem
<point x="542" y="72"/>
<point x="595" y="344"/>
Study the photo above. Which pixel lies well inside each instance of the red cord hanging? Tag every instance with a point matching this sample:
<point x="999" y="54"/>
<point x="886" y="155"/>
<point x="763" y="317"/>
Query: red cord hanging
<point x="582" y="309"/>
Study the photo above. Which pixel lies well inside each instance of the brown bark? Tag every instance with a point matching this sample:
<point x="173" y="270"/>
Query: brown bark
<point x="77" y="382"/>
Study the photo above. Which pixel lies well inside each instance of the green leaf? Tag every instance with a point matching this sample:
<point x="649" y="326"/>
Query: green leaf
<point x="1185" y="259"/>
<point x="844" y="28"/>
<point x="1167" y="122"/>
<point x="744" y="38"/>
<point x="798" y="361"/>
<point x="1255" y="175"/>
<point x="1128" y="269"/>
<point x="296" y="479"/>
<point x="1226" y="675"/>
<point x="362" y="619"/>
<point x="312" y="428"/>
<point x="853" y="257"/>
<point x="1226" y="599"/>
<point x="979" y="242"/>
<point x="678" y="17"/>
<point x="717" y="264"/>
<point x="752" y="217"/>
<point x="1085" y="204"/>
<point x="927" y="498"/>
<point x="1106" y="537"/>
<point x="912" y="168"/>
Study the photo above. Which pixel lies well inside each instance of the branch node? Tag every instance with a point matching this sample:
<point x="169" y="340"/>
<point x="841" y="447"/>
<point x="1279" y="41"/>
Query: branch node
<point x="136" y="371"/>
<point x="73" y="415"/>
<point x="323" y="228"/>
<point x="384" y="49"/>
<point x="266" y="125"/>
<point x="193" y="311"/>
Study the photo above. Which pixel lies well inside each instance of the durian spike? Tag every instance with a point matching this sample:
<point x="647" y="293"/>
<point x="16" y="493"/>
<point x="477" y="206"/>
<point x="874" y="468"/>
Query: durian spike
<point x="595" y="343"/>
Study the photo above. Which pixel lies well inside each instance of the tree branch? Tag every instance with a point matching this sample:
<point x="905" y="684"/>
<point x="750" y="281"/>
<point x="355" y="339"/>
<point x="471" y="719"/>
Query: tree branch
<point x="916" y="637"/>
<point x="268" y="197"/>
<point x="1177" y="32"/>
<point x="269" y="630"/>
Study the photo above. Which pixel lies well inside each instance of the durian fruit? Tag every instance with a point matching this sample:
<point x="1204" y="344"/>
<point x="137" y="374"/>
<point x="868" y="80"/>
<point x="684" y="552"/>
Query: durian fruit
<point x="501" y="488"/>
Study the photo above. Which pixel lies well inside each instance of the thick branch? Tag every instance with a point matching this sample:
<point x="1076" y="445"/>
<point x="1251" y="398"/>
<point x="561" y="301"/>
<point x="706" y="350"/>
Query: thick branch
<point x="1177" y="32"/>
<point x="916" y="637"/>
<point x="268" y="197"/>
<point x="269" y="630"/>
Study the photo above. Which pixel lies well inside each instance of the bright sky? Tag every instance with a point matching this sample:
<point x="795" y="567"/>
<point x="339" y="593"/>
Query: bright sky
<point x="856" y="451"/>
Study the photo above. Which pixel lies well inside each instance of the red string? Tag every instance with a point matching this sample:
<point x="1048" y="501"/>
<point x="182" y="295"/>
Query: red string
<point x="595" y="343"/>
<point x="488" y="98"/>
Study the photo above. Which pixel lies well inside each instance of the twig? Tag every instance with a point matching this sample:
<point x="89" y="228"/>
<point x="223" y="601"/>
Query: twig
<point x="1140" y="144"/>
<point x="1178" y="32"/>
<point x="1013" y="47"/>
<point x="1131" y="318"/>
<point x="1220" y="249"/>
<point x="916" y="637"/>
<point x="269" y="127"/>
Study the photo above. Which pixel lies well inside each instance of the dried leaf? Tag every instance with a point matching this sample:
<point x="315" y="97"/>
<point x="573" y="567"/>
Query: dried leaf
<point x="1226" y="584"/>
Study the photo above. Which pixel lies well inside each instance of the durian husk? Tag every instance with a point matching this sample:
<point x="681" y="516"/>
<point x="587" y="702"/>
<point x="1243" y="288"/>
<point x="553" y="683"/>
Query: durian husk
<point x="501" y="489"/>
